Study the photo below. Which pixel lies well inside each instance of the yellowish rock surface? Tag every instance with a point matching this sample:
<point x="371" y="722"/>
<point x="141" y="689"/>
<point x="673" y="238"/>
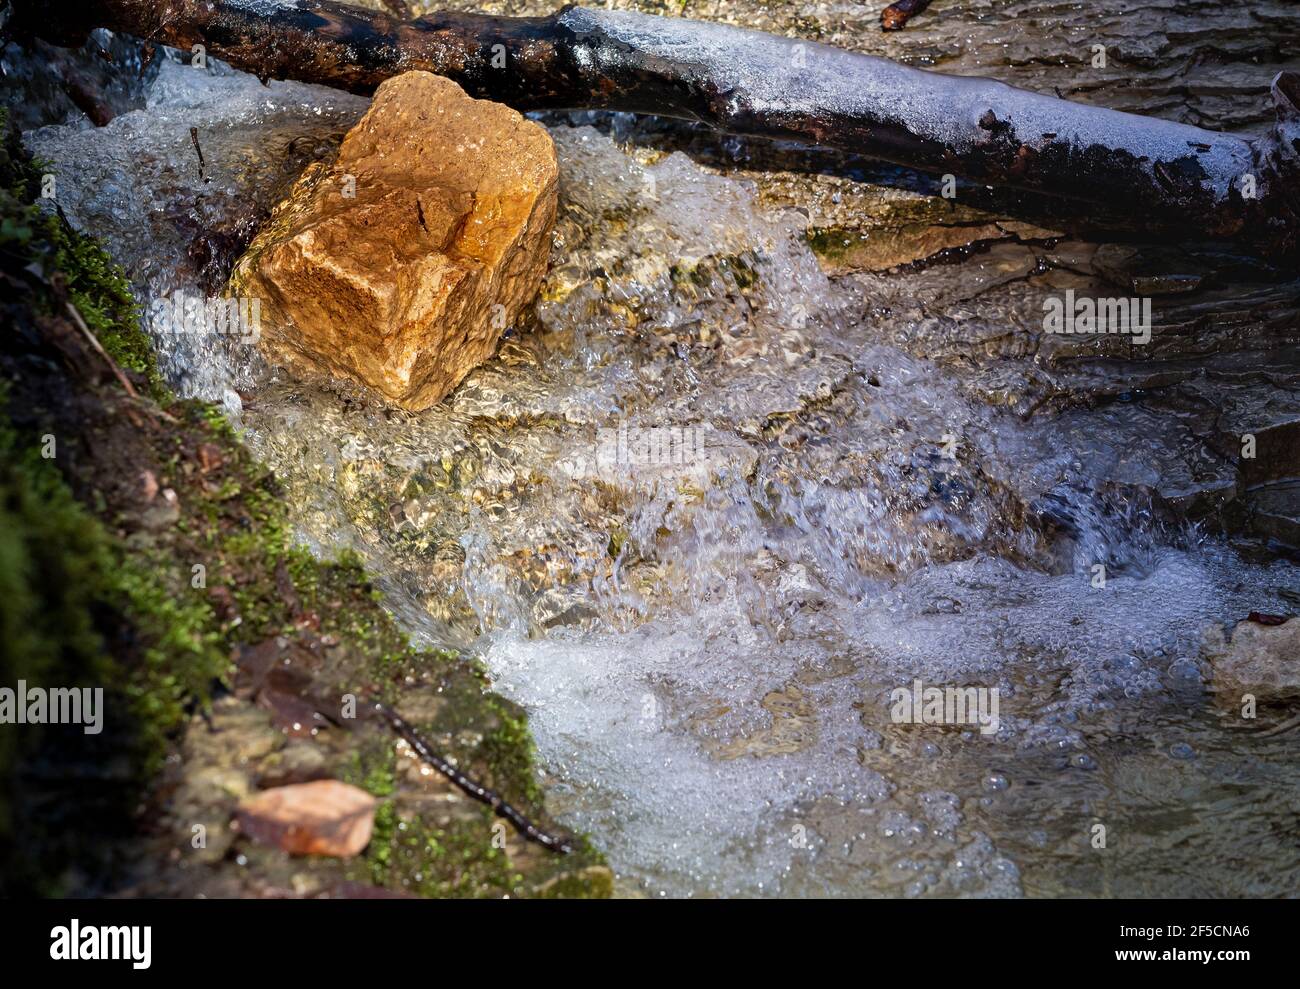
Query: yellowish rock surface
<point x="400" y="265"/>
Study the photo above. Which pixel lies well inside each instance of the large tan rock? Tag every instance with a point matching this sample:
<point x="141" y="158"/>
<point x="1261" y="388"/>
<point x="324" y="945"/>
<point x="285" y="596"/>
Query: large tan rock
<point x="400" y="265"/>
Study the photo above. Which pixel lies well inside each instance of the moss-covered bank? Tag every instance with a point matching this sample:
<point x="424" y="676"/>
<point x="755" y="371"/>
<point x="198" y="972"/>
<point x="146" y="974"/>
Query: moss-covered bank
<point x="143" y="550"/>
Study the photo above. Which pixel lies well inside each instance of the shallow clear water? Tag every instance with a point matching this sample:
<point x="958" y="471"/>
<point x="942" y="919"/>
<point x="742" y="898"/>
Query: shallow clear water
<point x="711" y="506"/>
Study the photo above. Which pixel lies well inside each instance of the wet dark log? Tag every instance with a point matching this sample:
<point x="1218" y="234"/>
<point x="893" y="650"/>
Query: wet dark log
<point x="1166" y="179"/>
<point x="896" y="15"/>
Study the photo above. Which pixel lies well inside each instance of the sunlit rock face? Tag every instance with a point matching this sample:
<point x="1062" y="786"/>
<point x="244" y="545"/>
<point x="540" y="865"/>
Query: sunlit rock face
<point x="400" y="265"/>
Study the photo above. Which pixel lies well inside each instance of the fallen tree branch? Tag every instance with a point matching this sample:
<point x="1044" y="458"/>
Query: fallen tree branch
<point x="1165" y="178"/>
<point x="556" y="843"/>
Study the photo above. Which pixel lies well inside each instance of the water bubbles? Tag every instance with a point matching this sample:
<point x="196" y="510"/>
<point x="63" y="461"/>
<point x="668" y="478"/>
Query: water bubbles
<point x="1124" y="664"/>
<point x="995" y="783"/>
<point x="1005" y="867"/>
<point x="1184" y="671"/>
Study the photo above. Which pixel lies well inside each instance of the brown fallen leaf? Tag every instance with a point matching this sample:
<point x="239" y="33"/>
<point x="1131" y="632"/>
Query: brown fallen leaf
<point x="325" y="817"/>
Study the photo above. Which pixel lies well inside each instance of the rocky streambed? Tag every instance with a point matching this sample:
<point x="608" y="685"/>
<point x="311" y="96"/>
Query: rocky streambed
<point x="785" y="434"/>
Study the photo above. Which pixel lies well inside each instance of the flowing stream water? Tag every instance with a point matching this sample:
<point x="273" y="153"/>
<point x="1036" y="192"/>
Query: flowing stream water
<point x="713" y="505"/>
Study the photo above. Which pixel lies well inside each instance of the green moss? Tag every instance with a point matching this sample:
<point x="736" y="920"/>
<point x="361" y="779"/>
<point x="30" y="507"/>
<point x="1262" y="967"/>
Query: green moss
<point x="379" y="859"/>
<point x="617" y="540"/>
<point x="509" y="751"/>
<point x="835" y="244"/>
<point x="457" y="859"/>
<point x="595" y="882"/>
<point x="381" y="781"/>
<point x="94" y="285"/>
<point x="103" y="297"/>
<point x="182" y="654"/>
<point x="65" y="583"/>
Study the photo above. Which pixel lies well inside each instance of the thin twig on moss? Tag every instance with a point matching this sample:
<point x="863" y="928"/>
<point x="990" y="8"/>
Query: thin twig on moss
<point x="476" y="790"/>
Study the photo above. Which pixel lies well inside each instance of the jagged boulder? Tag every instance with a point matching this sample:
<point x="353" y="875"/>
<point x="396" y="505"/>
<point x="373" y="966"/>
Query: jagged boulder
<point x="400" y="265"/>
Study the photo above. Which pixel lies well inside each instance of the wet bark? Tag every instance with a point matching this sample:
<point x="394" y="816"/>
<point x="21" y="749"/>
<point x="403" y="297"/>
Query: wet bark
<point x="1165" y="179"/>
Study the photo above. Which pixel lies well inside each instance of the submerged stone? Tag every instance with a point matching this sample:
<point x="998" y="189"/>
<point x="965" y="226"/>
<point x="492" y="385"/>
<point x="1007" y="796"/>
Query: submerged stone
<point x="400" y="265"/>
<point x="1261" y="660"/>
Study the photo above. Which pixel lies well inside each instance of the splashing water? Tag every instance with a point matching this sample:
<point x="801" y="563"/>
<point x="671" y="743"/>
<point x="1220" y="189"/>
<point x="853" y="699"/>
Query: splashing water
<point x="713" y="507"/>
